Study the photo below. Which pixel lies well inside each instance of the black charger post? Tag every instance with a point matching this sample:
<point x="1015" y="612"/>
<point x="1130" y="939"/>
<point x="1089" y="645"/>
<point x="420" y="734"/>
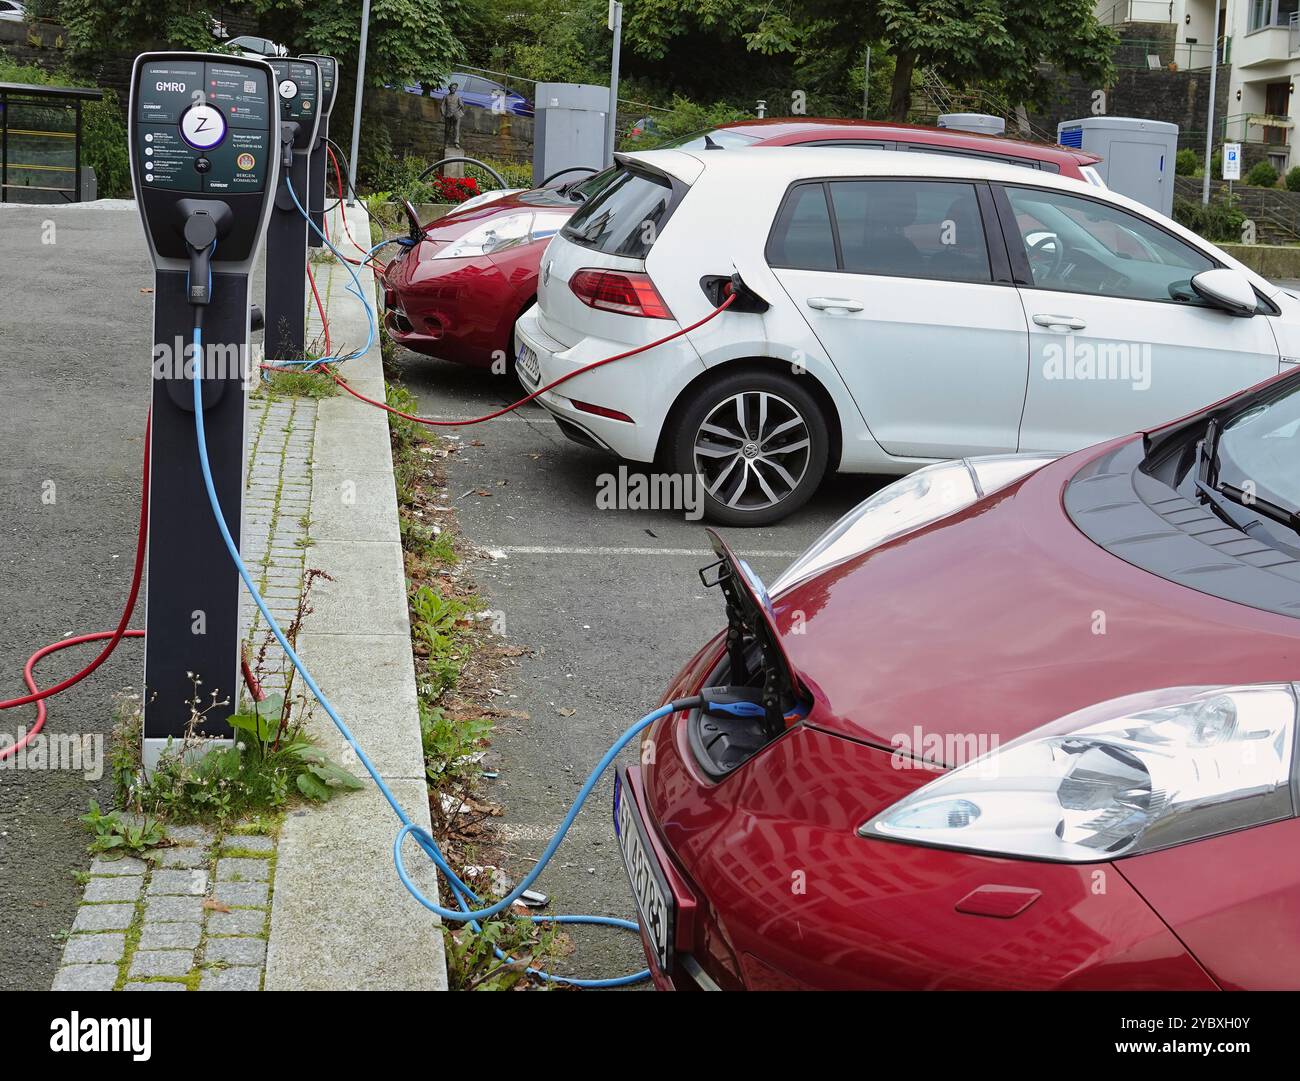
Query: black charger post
<point x="204" y="164"/>
<point x="298" y="92"/>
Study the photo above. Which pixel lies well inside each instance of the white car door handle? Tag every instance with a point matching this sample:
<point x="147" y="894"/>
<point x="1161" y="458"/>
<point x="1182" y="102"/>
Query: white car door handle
<point x="823" y="304"/>
<point x="1071" y="321"/>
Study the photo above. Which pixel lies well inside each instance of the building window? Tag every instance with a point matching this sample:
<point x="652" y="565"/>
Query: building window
<point x="1267" y="13"/>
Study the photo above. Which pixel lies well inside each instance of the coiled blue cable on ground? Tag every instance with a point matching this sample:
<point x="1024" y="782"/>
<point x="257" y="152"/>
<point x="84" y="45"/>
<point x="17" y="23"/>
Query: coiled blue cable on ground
<point x="464" y="895"/>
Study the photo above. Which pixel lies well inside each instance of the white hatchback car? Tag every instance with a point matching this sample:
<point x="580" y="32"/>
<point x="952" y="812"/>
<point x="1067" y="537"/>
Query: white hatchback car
<point x="908" y="308"/>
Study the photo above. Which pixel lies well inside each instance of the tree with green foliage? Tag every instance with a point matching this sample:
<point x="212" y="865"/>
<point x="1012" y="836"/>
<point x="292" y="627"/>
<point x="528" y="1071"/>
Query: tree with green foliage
<point x="997" y="42"/>
<point x="409" y="41"/>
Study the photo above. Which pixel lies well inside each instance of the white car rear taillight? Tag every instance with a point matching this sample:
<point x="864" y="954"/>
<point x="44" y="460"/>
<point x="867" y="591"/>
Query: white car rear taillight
<point x="621" y="291"/>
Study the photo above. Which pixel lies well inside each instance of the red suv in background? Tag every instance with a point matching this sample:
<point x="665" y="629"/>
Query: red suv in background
<point x="457" y="293"/>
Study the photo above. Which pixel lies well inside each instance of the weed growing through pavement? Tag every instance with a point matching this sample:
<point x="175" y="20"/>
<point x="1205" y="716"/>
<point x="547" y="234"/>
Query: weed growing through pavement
<point x="472" y="963"/>
<point x="287" y="384"/>
<point x="446" y="639"/>
<point x="271" y="762"/>
<point x="114" y="837"/>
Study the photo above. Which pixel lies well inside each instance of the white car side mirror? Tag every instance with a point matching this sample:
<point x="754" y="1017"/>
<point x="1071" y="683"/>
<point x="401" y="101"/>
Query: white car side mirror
<point x="1226" y="289"/>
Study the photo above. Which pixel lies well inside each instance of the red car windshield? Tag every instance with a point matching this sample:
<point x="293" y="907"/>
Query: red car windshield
<point x="1261" y="448"/>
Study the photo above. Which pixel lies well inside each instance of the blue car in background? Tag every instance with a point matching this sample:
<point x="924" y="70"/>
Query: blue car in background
<point x="480" y="93"/>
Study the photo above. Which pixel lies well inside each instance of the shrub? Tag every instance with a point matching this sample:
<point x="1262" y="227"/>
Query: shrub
<point x="1186" y="163"/>
<point x="1216" y="222"/>
<point x="104" y="146"/>
<point x="1293" y="179"/>
<point x="683" y="117"/>
<point x="1262" y="175"/>
<point x="1216" y="164"/>
<point x="515" y="174"/>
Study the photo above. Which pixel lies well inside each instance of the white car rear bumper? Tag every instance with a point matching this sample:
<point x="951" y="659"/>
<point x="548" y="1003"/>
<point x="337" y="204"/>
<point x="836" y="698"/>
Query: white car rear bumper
<point x="642" y="387"/>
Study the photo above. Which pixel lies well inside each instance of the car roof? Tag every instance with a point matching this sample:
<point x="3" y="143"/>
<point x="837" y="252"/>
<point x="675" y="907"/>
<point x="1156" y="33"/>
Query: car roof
<point x="804" y="162"/>
<point x="831" y="127"/>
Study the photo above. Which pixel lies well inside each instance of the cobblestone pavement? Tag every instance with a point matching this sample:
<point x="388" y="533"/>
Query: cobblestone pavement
<point x="196" y="915"/>
<point x="277" y="502"/>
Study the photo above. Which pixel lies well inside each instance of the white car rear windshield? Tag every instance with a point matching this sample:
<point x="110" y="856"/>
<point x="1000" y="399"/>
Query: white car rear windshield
<point x="627" y="215"/>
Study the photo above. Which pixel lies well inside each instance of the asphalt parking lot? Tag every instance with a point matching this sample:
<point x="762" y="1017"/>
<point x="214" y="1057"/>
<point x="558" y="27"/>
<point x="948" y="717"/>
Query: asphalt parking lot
<point x="74" y="383"/>
<point x="608" y="601"/>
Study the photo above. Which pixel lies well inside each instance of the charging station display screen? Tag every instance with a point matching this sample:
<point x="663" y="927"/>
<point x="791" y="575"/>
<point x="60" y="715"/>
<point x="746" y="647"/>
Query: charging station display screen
<point x="202" y="127"/>
<point x="328" y="77"/>
<point x="296" y="89"/>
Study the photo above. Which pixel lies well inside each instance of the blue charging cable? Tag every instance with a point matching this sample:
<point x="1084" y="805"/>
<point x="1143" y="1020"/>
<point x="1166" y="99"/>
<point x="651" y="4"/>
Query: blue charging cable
<point x="355" y="288"/>
<point x="463" y="893"/>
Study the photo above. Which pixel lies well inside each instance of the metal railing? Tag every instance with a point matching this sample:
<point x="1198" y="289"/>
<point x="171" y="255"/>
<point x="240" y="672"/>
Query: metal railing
<point x="41" y="140"/>
<point x="1186" y="55"/>
<point x="1254" y="128"/>
<point x="974" y="100"/>
<point x="1138" y="11"/>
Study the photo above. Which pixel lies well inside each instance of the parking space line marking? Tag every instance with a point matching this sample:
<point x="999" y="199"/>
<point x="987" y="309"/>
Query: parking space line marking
<point x="542" y="550"/>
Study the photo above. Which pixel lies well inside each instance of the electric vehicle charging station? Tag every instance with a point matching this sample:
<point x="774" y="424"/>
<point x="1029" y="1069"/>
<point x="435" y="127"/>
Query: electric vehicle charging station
<point x="298" y="90"/>
<point x="318" y="167"/>
<point x="204" y="141"/>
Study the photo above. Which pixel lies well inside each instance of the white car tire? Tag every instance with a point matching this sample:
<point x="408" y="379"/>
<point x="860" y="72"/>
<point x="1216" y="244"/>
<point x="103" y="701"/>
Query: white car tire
<point x="757" y="440"/>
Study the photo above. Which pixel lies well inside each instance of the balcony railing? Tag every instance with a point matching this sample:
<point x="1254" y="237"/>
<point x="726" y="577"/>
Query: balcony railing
<point x="1257" y="128"/>
<point x="1138" y="11"/>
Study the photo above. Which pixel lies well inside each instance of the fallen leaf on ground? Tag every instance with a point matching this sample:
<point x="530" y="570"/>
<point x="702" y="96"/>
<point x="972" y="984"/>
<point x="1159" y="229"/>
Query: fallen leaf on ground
<point x="567" y="712"/>
<point x="213" y="905"/>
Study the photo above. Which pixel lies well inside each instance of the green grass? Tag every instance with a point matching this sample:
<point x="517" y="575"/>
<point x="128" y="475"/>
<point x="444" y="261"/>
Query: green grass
<point x="420" y="541"/>
<point x="300" y="385"/>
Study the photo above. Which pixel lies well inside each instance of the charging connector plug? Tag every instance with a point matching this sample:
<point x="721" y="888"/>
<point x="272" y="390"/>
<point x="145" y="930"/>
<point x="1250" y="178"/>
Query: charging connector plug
<point x="734" y="701"/>
<point x="201" y="239"/>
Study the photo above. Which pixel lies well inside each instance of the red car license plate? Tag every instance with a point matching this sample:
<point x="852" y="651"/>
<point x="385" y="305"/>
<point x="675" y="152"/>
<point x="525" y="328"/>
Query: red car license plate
<point x="654" y="899"/>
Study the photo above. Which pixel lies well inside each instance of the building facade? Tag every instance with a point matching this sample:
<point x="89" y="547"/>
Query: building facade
<point x="1258" y="46"/>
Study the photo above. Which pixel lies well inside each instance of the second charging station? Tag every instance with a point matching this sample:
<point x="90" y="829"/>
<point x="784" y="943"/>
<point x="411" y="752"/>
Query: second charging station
<point x="215" y="142"/>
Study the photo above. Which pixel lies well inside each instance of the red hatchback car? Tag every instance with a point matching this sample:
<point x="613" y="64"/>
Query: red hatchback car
<point x="1015" y="724"/>
<point x="457" y="292"/>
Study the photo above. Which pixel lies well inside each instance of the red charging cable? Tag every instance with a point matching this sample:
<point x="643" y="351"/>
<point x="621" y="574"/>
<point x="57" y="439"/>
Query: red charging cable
<point x="343" y="213"/>
<point x="114" y="637"/>
<point x="325" y="323"/>
<point x="731" y="298"/>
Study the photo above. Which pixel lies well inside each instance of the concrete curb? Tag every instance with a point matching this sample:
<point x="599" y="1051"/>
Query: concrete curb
<point x="340" y="919"/>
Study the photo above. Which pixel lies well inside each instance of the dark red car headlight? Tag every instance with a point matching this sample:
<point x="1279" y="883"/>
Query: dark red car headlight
<point x="1117" y="779"/>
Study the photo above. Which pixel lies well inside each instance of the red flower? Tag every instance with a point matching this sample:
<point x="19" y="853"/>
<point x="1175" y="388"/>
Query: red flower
<point x="455" y="189"/>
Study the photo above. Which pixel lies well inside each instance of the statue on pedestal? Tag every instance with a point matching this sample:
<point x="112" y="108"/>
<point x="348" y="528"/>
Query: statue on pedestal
<point x="453" y="109"/>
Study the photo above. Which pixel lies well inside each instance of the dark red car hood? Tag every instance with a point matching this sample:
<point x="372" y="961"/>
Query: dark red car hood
<point x="991" y="622"/>
<point x="457" y="223"/>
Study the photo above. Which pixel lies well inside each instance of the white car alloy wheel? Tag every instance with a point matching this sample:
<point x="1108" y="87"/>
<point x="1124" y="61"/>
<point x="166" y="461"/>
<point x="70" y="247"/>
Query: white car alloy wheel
<point x="752" y="450"/>
<point x="758" y="443"/>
